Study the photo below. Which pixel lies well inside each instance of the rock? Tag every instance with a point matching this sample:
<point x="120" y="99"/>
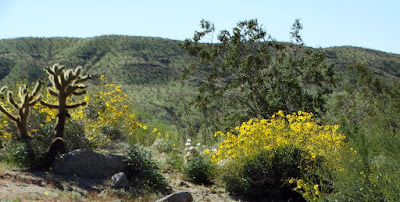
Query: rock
<point x="120" y="180"/>
<point x="182" y="196"/>
<point x="89" y="164"/>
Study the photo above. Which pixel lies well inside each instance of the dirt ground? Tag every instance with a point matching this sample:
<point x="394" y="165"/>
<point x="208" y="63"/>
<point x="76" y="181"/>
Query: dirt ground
<point x="17" y="185"/>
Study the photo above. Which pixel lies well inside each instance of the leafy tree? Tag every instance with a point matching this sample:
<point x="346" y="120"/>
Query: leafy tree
<point x="251" y="75"/>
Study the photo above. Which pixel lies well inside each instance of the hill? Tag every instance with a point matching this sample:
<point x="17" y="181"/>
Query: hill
<point x="149" y="69"/>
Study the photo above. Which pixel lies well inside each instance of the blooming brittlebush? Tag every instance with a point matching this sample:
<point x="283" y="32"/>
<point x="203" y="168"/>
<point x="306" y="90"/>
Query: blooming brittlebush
<point x="296" y="130"/>
<point x="108" y="110"/>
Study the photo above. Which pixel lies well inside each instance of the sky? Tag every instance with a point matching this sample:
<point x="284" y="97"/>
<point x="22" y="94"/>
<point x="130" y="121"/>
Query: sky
<point x="361" y="23"/>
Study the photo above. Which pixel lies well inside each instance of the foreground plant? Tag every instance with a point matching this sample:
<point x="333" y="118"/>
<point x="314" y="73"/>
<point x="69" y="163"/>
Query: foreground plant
<point x="291" y="146"/>
<point x="27" y="100"/>
<point x="65" y="83"/>
<point x="22" y="108"/>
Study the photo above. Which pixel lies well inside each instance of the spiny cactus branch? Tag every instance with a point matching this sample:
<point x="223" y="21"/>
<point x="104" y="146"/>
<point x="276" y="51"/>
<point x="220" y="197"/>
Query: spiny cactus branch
<point x="36" y="100"/>
<point x="83" y="79"/>
<point x="52" y="92"/>
<point x="8" y="114"/>
<point x="76" y="105"/>
<point x="36" y="90"/>
<point x="51" y="106"/>
<point x="3" y="89"/>
<point x="77" y="93"/>
<point x="11" y="100"/>
<point x="72" y="89"/>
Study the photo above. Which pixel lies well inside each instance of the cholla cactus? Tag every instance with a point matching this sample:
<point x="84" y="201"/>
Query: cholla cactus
<point x="66" y="82"/>
<point x="27" y="100"/>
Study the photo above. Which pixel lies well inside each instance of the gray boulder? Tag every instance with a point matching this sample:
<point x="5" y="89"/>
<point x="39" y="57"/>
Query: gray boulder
<point x="120" y="180"/>
<point x="182" y="196"/>
<point x="89" y="164"/>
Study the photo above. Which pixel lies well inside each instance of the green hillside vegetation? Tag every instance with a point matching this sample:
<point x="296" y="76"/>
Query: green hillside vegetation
<point x="384" y="64"/>
<point x="149" y="69"/>
<point x="345" y="149"/>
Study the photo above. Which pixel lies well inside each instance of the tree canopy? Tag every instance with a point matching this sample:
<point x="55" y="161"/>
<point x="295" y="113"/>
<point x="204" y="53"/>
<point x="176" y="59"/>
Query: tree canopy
<point x="252" y="75"/>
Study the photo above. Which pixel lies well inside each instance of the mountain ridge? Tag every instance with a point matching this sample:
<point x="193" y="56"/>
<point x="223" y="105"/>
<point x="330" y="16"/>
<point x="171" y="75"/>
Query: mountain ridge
<point x="148" y="68"/>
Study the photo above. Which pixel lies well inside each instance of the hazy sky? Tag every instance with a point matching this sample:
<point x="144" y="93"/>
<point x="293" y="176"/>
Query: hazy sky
<point x="363" y="23"/>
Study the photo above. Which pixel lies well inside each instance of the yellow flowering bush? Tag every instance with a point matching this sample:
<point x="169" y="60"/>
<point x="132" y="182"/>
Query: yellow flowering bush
<point x="108" y="114"/>
<point x="311" y="148"/>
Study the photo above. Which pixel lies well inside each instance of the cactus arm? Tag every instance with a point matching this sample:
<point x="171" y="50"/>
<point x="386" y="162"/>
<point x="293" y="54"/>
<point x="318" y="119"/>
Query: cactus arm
<point x="69" y="74"/>
<point x="56" y="82"/>
<point x="53" y="79"/>
<point x="72" y="89"/>
<point x="63" y="80"/>
<point x="3" y="89"/>
<point x="11" y="100"/>
<point x="76" y="105"/>
<point x="51" y="106"/>
<point x="22" y="90"/>
<point x="36" y="90"/>
<point x="52" y="92"/>
<point x="79" y="92"/>
<point x="8" y="114"/>
<point x="83" y="79"/>
<point x="25" y="100"/>
<point x="34" y="101"/>
<point x="78" y="70"/>
<point x="58" y="69"/>
<point x="48" y="71"/>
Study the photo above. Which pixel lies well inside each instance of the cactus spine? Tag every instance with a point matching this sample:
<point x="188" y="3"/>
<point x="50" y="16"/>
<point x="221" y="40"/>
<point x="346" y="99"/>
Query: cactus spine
<point x="27" y="100"/>
<point x="65" y="82"/>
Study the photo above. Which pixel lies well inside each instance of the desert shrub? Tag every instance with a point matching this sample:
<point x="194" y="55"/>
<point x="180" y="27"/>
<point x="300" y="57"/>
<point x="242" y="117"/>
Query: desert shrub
<point x="200" y="170"/>
<point x="197" y="167"/>
<point x="263" y="176"/>
<point x="16" y="153"/>
<point x="142" y="171"/>
<point x="285" y="141"/>
<point x="75" y="136"/>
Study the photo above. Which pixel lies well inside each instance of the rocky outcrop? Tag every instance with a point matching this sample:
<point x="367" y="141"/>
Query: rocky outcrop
<point x="89" y="164"/>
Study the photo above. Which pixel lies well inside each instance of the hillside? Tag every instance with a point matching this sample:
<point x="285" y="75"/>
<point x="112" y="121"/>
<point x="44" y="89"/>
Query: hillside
<point x="149" y="69"/>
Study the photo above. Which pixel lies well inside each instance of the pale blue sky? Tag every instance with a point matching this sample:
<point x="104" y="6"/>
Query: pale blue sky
<point x="368" y="24"/>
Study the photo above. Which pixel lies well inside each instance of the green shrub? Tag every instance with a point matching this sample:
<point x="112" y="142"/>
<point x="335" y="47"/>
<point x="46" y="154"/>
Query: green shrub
<point x="75" y="136"/>
<point x="142" y="171"/>
<point x="200" y="170"/>
<point x="175" y="159"/>
<point x="16" y="153"/>
<point x="263" y="176"/>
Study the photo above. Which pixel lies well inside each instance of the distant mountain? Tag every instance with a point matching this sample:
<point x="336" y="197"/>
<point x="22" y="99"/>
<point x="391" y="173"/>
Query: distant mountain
<point x="148" y="68"/>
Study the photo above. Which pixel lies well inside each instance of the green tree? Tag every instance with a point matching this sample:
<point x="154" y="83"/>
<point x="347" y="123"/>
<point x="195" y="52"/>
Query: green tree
<point x="248" y="74"/>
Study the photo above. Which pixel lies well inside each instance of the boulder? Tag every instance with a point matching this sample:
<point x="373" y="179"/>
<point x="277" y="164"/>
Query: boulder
<point x="89" y="164"/>
<point x="182" y="196"/>
<point x="120" y="180"/>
